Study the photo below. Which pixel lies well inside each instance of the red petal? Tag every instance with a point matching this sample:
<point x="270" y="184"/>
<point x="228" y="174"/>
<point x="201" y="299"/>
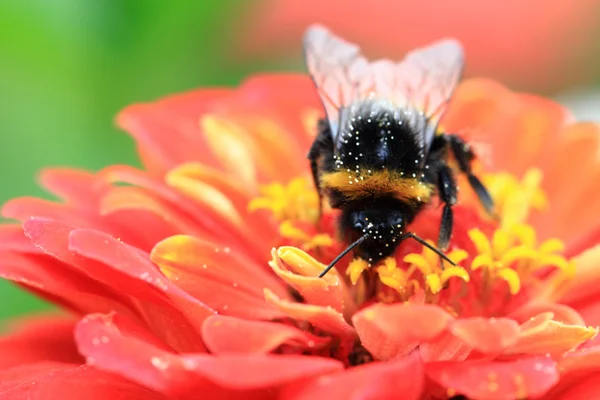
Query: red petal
<point x="301" y="272"/>
<point x="222" y="335"/>
<point x="392" y="331"/>
<point x="586" y="359"/>
<point x="578" y="389"/>
<point x="33" y="339"/>
<point x="74" y="186"/>
<point x="112" y="345"/>
<point x="123" y="266"/>
<point x="24" y="208"/>
<point x="560" y="312"/>
<point x="191" y="218"/>
<point x="487" y="335"/>
<point x="445" y="347"/>
<point x="585" y="286"/>
<point x="325" y="318"/>
<point x="12" y="238"/>
<point x="402" y="379"/>
<point x="140" y="278"/>
<point x="169" y="131"/>
<point x="67" y="381"/>
<point x="523" y="378"/>
<point x="225" y="280"/>
<point x="61" y="284"/>
<point x="585" y="242"/>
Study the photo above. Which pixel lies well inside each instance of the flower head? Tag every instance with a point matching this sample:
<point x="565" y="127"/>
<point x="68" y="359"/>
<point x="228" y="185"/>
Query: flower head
<point x="199" y="272"/>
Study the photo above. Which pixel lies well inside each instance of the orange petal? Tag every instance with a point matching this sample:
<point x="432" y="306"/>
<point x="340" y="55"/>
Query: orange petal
<point x="232" y="145"/>
<point x="401" y="379"/>
<point x="560" y="312"/>
<point x="585" y="286"/>
<point x="487" y="335"/>
<point x="520" y="379"/>
<point x="221" y="335"/>
<point x="541" y="335"/>
<point x="302" y="274"/>
<point x="392" y="331"/>
<point x="445" y="347"/>
<point x="74" y="186"/>
<point x="223" y="279"/>
<point x="168" y="131"/>
<point x="587" y="359"/>
<point x="325" y="318"/>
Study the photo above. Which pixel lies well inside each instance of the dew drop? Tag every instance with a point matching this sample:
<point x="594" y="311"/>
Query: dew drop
<point x="159" y="363"/>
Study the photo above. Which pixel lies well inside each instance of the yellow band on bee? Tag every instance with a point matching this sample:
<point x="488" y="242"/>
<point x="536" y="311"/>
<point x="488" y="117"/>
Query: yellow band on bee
<point x="377" y="183"/>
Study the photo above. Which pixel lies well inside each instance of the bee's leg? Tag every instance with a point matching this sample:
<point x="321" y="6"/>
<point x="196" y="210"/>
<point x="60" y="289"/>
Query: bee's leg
<point x="321" y="148"/>
<point x="447" y="192"/>
<point x="464" y="156"/>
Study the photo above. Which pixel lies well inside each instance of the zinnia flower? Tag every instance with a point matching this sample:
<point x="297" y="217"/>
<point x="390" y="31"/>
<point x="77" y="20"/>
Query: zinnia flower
<point x="195" y="277"/>
<point x="549" y="43"/>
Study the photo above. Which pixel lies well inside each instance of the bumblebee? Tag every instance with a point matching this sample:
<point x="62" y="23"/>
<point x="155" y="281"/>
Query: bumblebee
<point x="379" y="156"/>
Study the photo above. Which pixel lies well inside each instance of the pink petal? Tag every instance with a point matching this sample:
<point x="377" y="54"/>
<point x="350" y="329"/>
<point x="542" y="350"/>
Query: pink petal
<point x="523" y="378"/>
<point x="487" y="335"/>
<point x="68" y="381"/>
<point x="112" y="345"/>
<point x="392" y="331"/>
<point x="402" y="379"/>
<point x="221" y="335"/>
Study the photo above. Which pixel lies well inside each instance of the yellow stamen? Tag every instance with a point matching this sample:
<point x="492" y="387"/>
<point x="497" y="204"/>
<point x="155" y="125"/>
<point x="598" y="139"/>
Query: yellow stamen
<point x="355" y="269"/>
<point x="306" y="242"/>
<point x="511" y="278"/>
<point x="515" y="199"/>
<point x="513" y="255"/>
<point x="296" y="201"/>
<point x="428" y="264"/>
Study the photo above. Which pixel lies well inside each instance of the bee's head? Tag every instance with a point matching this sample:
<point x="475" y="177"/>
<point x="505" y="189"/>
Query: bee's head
<point x="383" y="226"/>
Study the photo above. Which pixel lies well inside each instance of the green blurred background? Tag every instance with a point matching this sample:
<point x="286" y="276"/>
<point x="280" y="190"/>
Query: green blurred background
<point x="68" y="66"/>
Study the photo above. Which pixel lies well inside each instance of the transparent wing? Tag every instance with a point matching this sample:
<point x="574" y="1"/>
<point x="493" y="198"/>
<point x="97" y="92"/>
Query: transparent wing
<point x="420" y="85"/>
<point x="338" y="69"/>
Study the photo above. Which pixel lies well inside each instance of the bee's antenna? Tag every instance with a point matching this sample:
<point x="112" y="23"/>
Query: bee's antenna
<point x="429" y="246"/>
<point x="343" y="253"/>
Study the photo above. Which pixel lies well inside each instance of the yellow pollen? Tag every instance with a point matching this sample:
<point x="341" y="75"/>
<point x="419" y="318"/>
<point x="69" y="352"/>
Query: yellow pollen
<point x="513" y="198"/>
<point x="295" y="201"/>
<point x="512" y="255"/>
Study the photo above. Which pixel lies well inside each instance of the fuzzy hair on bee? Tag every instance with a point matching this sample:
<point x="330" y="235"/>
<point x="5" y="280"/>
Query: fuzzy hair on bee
<point x="378" y="156"/>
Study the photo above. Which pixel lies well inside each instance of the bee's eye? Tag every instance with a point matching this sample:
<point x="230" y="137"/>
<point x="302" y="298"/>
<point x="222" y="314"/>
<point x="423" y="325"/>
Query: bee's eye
<point x="398" y="222"/>
<point x="359" y="221"/>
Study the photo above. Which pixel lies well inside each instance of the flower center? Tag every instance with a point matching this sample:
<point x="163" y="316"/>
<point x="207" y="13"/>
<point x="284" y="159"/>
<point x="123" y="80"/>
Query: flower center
<point x="502" y="263"/>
